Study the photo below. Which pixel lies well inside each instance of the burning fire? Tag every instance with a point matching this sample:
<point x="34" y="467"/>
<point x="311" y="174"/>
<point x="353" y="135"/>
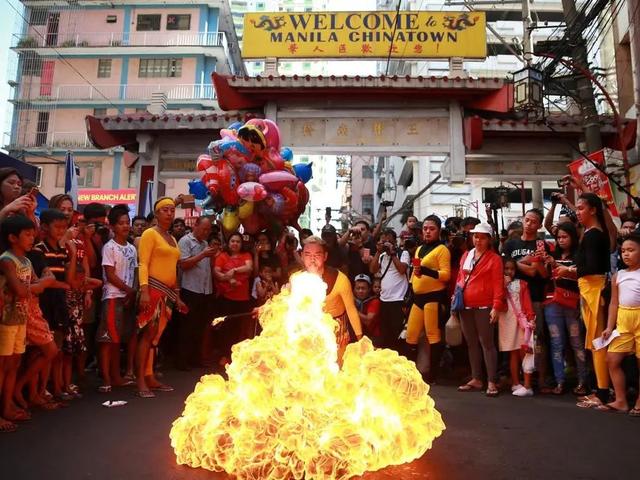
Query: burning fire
<point x="288" y="411"/>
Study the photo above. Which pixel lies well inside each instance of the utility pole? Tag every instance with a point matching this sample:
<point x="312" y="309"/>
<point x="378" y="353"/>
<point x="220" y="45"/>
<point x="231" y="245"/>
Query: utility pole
<point x="536" y="185"/>
<point x="590" y="118"/>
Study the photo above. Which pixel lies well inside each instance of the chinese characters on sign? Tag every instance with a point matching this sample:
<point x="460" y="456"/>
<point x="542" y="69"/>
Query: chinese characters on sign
<point x="387" y="131"/>
<point x="376" y="34"/>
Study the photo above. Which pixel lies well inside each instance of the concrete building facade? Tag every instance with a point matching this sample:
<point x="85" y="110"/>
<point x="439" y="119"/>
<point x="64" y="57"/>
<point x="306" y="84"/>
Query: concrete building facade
<point x="106" y="58"/>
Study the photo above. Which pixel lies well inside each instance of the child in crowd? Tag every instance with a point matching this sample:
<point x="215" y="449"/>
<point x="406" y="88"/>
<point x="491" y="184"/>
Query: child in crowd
<point x="376" y="287"/>
<point x="624" y="315"/>
<point x="368" y="306"/>
<point x="515" y="327"/>
<point x="264" y="286"/>
<point x="47" y="257"/>
<point x="17" y="284"/>
<point x="413" y="229"/>
<point x="117" y="322"/>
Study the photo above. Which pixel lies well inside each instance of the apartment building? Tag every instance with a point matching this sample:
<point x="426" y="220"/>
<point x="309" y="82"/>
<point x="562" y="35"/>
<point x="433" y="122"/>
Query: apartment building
<point x="107" y="57"/>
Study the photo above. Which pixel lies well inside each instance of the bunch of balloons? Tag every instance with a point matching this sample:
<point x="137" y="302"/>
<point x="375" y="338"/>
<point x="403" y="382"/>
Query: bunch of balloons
<point x="249" y="178"/>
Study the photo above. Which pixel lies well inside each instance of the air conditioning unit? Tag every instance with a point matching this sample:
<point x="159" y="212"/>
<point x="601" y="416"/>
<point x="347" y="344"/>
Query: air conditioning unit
<point x="456" y="67"/>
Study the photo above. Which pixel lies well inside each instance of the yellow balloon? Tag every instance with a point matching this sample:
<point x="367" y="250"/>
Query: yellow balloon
<point x="245" y="210"/>
<point x="230" y="220"/>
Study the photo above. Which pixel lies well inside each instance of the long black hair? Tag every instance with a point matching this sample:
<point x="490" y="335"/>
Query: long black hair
<point x="570" y="229"/>
<point x="594" y="201"/>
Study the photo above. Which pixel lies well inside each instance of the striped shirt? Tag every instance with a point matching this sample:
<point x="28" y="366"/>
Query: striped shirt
<point x="53" y="258"/>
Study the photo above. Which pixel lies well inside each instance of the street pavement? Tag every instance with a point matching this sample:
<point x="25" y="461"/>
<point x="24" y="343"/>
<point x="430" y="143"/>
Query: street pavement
<point x="486" y="438"/>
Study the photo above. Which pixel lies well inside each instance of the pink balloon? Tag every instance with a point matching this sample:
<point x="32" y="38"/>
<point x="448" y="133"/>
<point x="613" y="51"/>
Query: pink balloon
<point x="277" y="180"/>
<point x="252" y="191"/>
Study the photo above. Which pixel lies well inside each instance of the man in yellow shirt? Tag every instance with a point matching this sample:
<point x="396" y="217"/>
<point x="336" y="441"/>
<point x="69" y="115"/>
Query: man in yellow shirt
<point x="339" y="302"/>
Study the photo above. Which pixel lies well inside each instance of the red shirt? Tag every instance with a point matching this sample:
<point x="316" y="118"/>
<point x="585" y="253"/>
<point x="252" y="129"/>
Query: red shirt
<point x="485" y="287"/>
<point x="372" y="328"/>
<point x="240" y="291"/>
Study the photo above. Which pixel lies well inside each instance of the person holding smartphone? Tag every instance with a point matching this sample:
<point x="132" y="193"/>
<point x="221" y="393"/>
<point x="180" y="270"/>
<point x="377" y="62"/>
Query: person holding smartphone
<point x="12" y="200"/>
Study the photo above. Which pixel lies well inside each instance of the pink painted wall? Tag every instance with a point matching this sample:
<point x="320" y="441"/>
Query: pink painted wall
<point x="65" y="75"/>
<point x="188" y="67"/>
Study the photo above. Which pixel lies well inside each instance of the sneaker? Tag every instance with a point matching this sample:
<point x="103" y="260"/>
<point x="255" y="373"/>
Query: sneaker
<point x="523" y="392"/>
<point x="516" y="387"/>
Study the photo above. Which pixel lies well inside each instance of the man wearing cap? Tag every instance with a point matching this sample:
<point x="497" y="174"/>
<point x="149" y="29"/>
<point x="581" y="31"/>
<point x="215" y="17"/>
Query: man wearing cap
<point x="368" y="306"/>
<point x="394" y="285"/>
<point x="339" y="302"/>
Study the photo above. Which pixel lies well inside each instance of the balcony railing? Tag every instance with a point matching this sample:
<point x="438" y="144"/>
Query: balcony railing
<point x="49" y="140"/>
<point x="120" y="39"/>
<point x="115" y="92"/>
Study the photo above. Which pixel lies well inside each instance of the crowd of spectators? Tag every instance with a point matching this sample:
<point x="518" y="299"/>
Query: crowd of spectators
<point x="99" y="291"/>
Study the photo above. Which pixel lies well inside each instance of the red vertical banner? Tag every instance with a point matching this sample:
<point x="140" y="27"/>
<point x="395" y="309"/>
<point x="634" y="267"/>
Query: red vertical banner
<point x="595" y="179"/>
<point x="46" y="79"/>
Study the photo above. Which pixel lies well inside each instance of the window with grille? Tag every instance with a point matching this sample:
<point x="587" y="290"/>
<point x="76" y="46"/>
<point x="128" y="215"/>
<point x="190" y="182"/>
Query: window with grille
<point x="99" y="112"/>
<point x="178" y="22"/>
<point x="367" y="171"/>
<point x="367" y="204"/>
<point x="42" y="128"/>
<point x="160" y="67"/>
<point x="104" y="68"/>
<point x="148" y="23"/>
<point x="31" y="64"/>
<point x="38" y="16"/>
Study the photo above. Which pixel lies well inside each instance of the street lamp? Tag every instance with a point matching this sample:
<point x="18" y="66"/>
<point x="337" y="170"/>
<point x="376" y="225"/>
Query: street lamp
<point x="527" y="91"/>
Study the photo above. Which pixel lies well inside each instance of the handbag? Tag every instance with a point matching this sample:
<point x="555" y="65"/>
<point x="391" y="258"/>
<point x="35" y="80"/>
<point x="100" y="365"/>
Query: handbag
<point x="565" y="298"/>
<point x="457" y="301"/>
<point x="453" y="331"/>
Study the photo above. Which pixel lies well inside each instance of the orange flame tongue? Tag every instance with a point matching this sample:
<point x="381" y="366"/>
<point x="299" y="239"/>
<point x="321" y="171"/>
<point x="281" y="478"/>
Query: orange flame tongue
<point x="288" y="411"/>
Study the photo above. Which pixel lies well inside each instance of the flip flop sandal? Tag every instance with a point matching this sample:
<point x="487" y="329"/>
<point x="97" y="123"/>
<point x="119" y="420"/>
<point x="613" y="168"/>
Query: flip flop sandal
<point x="127" y="383"/>
<point x="145" y="394"/>
<point x="47" y="395"/>
<point x="589" y="404"/>
<point x="163" y="388"/>
<point x="492" y="393"/>
<point x="104" y="389"/>
<point x="634" y="412"/>
<point x="64" y="396"/>
<point x="8" y="427"/>
<point x="610" y="409"/>
<point x="469" y="388"/>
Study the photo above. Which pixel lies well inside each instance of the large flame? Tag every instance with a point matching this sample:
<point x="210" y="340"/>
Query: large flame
<point x="288" y="411"/>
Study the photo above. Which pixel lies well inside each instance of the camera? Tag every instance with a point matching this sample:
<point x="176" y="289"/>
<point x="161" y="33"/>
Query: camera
<point x="387" y="203"/>
<point x="555" y="197"/>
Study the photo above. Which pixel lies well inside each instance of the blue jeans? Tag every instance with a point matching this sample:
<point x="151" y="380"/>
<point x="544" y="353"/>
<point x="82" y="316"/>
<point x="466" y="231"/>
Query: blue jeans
<point x="561" y="320"/>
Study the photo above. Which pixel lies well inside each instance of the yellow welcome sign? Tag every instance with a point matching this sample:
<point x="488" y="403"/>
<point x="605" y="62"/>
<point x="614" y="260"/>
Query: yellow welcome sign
<point x="405" y="34"/>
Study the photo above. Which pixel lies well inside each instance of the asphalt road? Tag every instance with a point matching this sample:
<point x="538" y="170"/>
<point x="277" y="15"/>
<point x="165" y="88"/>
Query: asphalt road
<point x="486" y="438"/>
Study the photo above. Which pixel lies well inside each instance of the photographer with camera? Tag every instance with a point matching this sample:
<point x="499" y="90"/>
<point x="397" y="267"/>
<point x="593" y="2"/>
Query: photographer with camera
<point x="394" y="283"/>
<point x="567" y="211"/>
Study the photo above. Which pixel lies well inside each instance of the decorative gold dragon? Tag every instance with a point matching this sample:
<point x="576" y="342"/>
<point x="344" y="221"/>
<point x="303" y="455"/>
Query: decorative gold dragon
<point x="461" y="22"/>
<point x="269" y="24"/>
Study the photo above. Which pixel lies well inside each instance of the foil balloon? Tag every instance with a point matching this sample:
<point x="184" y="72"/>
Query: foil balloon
<point x="303" y="198"/>
<point x="287" y="154"/>
<point x="304" y="171"/>
<point x="252" y="191"/>
<point x="221" y="180"/>
<point x="230" y="219"/>
<point x="270" y="131"/>
<point x="231" y="131"/>
<point x="281" y="205"/>
<point x="245" y="210"/>
<point x="203" y="162"/>
<point x="234" y="151"/>
<point x="252" y="138"/>
<point x="198" y="189"/>
<point x="271" y="160"/>
<point x="250" y="172"/>
<point x="253" y="223"/>
<point x="277" y="180"/>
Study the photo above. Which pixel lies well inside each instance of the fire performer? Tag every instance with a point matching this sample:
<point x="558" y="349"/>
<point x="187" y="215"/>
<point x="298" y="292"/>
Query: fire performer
<point x="159" y="293"/>
<point x="339" y="302"/>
